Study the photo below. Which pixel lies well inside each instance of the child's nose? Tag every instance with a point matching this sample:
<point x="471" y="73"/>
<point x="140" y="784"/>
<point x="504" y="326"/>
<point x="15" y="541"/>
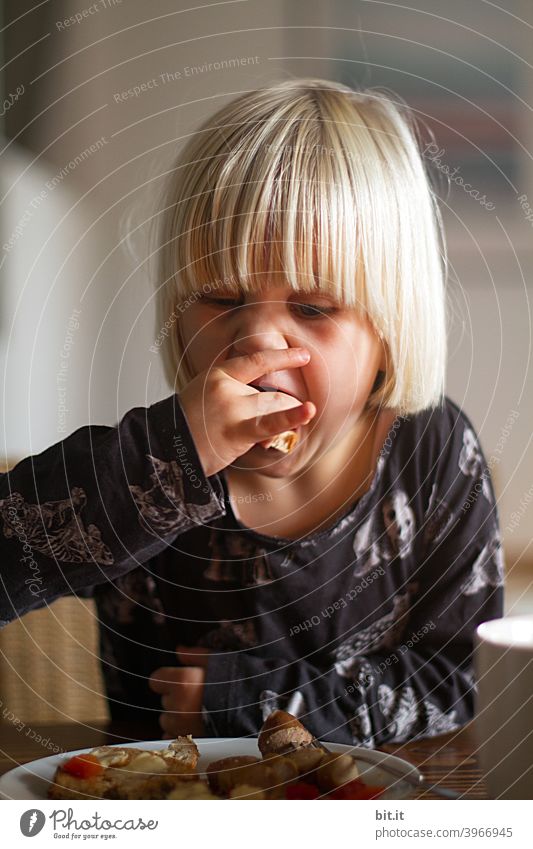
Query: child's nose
<point x="261" y="327"/>
<point x="258" y="341"/>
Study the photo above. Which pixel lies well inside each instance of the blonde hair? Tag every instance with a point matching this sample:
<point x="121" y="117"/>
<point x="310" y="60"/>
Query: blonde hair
<point x="325" y="186"/>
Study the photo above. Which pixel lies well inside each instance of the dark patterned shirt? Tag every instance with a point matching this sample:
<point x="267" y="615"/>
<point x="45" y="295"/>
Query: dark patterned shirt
<point x="364" y="629"/>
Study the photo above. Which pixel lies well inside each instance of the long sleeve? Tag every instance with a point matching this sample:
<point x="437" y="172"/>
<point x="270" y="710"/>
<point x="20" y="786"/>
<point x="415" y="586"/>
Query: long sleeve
<point x="99" y="503"/>
<point x="385" y="697"/>
<point x="419" y="680"/>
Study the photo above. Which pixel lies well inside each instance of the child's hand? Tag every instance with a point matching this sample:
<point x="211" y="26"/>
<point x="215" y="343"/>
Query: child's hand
<point x="182" y="693"/>
<point x="227" y="417"/>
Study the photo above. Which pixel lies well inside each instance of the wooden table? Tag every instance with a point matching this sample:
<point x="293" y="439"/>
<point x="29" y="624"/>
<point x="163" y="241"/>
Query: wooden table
<point x="448" y="760"/>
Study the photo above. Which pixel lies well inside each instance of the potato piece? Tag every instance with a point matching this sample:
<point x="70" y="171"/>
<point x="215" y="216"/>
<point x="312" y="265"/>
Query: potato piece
<point x="283" y="768"/>
<point x="192" y="790"/>
<point x="306" y="760"/>
<point x="247" y="791"/>
<point x="335" y="770"/>
<point x="148" y="763"/>
<point x="115" y="756"/>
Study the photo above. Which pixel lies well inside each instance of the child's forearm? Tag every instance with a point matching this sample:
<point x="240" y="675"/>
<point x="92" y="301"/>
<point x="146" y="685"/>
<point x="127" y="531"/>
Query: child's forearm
<point x="97" y="504"/>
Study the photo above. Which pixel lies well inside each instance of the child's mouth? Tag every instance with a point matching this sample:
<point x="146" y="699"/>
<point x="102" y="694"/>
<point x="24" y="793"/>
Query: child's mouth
<point x="264" y="444"/>
<point x="271" y="389"/>
<point x="265" y="387"/>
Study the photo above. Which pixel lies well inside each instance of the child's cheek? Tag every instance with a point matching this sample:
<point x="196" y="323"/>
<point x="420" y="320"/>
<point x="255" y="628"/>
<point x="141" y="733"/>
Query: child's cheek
<point x="200" y="340"/>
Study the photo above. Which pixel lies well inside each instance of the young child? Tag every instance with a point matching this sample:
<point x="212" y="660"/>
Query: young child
<point x="300" y="288"/>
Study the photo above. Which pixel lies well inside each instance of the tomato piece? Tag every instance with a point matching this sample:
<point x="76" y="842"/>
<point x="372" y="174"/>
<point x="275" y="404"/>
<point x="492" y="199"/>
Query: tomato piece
<point x="356" y="789"/>
<point x="83" y="766"/>
<point x="302" y="790"/>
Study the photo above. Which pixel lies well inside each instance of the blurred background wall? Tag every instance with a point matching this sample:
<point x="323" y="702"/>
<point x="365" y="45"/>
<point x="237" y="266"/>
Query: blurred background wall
<point x="98" y="99"/>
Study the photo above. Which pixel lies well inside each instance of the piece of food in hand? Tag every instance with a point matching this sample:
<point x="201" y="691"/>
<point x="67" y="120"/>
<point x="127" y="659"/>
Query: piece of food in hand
<point x="280" y="732"/>
<point x="285" y="442"/>
<point x="115" y="772"/>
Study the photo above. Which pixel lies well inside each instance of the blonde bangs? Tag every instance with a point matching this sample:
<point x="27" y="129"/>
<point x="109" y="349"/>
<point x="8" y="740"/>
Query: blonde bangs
<point x="261" y="203"/>
<point x="324" y="188"/>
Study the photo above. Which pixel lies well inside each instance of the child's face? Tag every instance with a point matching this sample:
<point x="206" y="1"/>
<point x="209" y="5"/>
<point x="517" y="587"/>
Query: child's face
<point x="346" y="355"/>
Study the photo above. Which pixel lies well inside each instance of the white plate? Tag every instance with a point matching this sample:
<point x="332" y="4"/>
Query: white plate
<point x="31" y="780"/>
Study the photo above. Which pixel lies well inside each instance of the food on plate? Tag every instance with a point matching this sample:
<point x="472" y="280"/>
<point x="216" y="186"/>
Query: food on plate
<point x="227" y="773"/>
<point x="334" y="770"/>
<point x="323" y="775"/>
<point x="281" y="731"/>
<point x="356" y="789"/>
<point x="245" y="775"/>
<point x="247" y="791"/>
<point x="187" y="790"/>
<point x="304" y="759"/>
<point x="293" y="766"/>
<point x="116" y="772"/>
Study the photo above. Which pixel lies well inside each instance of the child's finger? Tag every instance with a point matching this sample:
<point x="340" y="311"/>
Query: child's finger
<point x="169" y="701"/>
<point x="254" y="365"/>
<point x="275" y="423"/>
<point x="274" y="402"/>
<point x="163" y="679"/>
<point x="167" y="722"/>
<point x="260" y="405"/>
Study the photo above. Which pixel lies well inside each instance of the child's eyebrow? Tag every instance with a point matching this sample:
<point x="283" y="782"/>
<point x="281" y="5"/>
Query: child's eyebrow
<point x="316" y="293"/>
<point x="333" y="297"/>
<point x="237" y="290"/>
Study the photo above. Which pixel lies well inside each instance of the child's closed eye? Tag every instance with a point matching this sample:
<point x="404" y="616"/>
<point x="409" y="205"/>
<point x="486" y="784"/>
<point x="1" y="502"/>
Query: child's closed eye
<point x="313" y="310"/>
<point x="305" y="310"/>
